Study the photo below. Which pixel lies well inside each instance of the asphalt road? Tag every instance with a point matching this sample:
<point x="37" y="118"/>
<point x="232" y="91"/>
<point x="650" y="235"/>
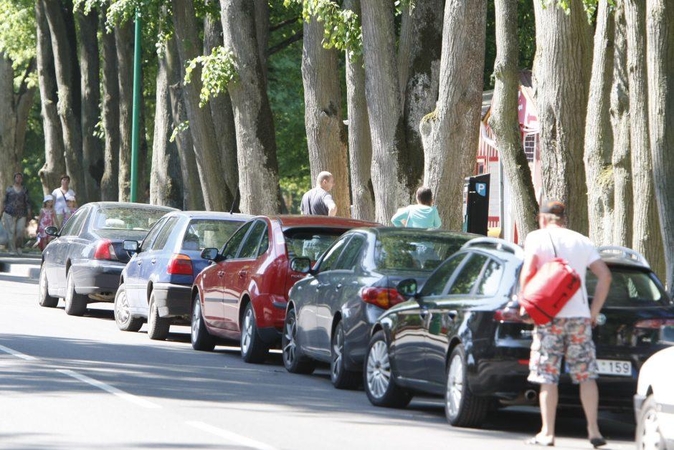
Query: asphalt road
<point x="80" y="383"/>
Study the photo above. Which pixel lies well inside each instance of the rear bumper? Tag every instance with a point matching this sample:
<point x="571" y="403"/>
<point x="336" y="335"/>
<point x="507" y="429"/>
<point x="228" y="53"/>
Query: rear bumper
<point x="173" y="300"/>
<point x="100" y="278"/>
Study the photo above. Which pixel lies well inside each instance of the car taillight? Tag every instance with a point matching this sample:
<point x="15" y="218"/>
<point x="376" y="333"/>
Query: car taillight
<point x="654" y="324"/>
<point x="105" y="250"/>
<point x="382" y="297"/>
<point x="179" y="264"/>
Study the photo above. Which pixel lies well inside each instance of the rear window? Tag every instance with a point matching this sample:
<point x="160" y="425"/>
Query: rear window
<point x="310" y="243"/>
<point x="140" y="219"/>
<point x="212" y="233"/>
<point x="630" y="288"/>
<point x="423" y="252"/>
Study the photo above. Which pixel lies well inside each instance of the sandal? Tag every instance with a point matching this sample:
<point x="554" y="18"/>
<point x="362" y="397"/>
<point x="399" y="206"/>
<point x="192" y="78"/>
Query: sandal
<point x="535" y="441"/>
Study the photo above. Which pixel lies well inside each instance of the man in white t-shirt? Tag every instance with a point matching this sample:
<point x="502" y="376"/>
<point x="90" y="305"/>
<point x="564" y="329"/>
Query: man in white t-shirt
<point x="59" y="194"/>
<point x="569" y="335"/>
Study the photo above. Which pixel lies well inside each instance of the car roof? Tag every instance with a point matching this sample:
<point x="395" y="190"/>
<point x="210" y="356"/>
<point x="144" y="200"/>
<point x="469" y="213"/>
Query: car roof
<point x="615" y="255"/>
<point x="402" y="231"/>
<point x="104" y="205"/>
<point x="295" y="220"/>
<point x="212" y="215"/>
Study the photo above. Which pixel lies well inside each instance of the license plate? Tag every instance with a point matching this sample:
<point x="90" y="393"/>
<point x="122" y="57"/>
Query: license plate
<point x="612" y="367"/>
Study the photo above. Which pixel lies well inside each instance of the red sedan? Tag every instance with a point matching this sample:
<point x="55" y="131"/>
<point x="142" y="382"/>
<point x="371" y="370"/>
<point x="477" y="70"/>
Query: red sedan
<point x="243" y="295"/>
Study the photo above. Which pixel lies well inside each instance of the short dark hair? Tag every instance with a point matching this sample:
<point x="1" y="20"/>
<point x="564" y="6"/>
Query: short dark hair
<point x="64" y="176"/>
<point x="425" y="195"/>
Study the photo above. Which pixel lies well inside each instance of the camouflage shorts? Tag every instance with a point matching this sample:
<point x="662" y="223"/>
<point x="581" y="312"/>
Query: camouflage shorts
<point x="568" y="339"/>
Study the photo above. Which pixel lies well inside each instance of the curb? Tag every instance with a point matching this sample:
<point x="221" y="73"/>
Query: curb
<point x="21" y="266"/>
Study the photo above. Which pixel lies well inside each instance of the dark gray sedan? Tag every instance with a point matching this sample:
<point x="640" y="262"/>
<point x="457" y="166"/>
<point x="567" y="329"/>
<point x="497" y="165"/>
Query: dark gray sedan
<point x="83" y="264"/>
<point x="331" y="311"/>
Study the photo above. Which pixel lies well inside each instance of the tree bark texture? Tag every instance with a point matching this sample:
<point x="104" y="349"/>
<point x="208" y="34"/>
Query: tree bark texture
<point x="360" y="143"/>
<point x="258" y="166"/>
<point x="262" y="24"/>
<point x="124" y="39"/>
<point x="201" y="122"/>
<point x="504" y="119"/>
<point x="326" y="134"/>
<point x="598" y="132"/>
<point x="660" y="63"/>
<point x="92" y="148"/>
<point x="62" y="30"/>
<point x="646" y="237"/>
<point x="561" y="79"/>
<point x="54" y="165"/>
<point x="110" y="113"/>
<point x="622" y="164"/>
<point x="385" y="109"/>
<point x="450" y="133"/>
<point x="420" y="53"/>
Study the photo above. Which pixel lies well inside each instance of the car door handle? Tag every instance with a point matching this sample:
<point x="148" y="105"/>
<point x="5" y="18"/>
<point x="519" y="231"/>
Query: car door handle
<point x="221" y="273"/>
<point x="338" y="287"/>
<point x="139" y="262"/>
<point x="154" y="261"/>
<point x="243" y="274"/>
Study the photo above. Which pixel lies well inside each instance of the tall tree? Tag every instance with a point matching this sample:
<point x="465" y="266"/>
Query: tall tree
<point x="450" y="133"/>
<point x="124" y="40"/>
<point x="258" y="166"/>
<point x="660" y="63"/>
<point x="110" y="111"/>
<point x="561" y="79"/>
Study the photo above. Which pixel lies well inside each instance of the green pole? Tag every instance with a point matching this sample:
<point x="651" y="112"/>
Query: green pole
<point x="135" y="130"/>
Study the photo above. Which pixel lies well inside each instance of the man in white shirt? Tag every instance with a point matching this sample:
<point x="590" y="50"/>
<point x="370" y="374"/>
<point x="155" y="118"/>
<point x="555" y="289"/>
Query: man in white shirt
<point x="59" y="194"/>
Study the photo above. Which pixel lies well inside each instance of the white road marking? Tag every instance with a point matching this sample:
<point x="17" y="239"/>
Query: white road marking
<point x="110" y="389"/>
<point x="17" y="354"/>
<point x="251" y="443"/>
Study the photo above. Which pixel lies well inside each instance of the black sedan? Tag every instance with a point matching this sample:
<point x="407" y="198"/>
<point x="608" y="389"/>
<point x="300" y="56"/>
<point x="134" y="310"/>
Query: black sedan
<point x="461" y="336"/>
<point x="84" y="262"/>
<point x="330" y="312"/>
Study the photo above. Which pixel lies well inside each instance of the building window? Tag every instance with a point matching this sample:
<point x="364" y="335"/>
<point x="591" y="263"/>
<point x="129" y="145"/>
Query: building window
<point x="530" y="143"/>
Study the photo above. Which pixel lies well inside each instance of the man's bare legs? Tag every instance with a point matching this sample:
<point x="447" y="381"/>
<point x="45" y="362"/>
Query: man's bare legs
<point x="548" y="398"/>
<point x="589" y="397"/>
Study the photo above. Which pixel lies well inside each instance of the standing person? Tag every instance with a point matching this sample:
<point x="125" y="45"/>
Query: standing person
<point x="318" y="201"/>
<point x="59" y="195"/>
<point x="569" y="334"/>
<point x="46" y="219"/>
<point x="15" y="209"/>
<point x="421" y="215"/>
<point x="71" y="206"/>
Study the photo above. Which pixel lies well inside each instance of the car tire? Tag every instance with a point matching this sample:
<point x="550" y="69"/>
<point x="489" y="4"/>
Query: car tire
<point x="199" y="336"/>
<point x="45" y="299"/>
<point x="341" y="377"/>
<point x="76" y="304"/>
<point x="157" y="327"/>
<point x="378" y="381"/>
<point x="253" y="350"/>
<point x="293" y="359"/>
<point x="123" y="318"/>
<point x="648" y="433"/>
<point x="462" y="408"/>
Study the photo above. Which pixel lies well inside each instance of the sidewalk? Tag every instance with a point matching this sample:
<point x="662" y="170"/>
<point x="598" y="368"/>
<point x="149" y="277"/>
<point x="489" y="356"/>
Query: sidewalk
<point x="26" y="265"/>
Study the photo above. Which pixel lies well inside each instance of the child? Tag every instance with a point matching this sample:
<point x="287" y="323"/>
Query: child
<point x="421" y="215"/>
<point x="71" y="207"/>
<point x="46" y="219"/>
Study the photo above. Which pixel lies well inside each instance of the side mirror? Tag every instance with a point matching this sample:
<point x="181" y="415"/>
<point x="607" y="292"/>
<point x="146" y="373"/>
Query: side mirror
<point x="209" y="253"/>
<point x="300" y="264"/>
<point x="52" y="231"/>
<point x="407" y="287"/>
<point x="131" y="246"/>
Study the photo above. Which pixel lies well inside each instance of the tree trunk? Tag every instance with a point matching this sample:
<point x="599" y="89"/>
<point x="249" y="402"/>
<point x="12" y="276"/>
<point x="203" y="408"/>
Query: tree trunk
<point x="622" y="170"/>
<point x="54" y="165"/>
<point x="258" y="166"/>
<point x="62" y="30"/>
<point x="92" y="150"/>
<point x="598" y="132"/>
<point x="660" y="63"/>
<point x="326" y="135"/>
<point x="110" y="114"/>
<point x="450" y="133"/>
<point x="262" y="24"/>
<point x="221" y="111"/>
<point x="646" y="237"/>
<point x="124" y="39"/>
<point x="561" y="79"/>
<point x="360" y="143"/>
<point x="420" y="53"/>
<point x="385" y="109"/>
<point x="193" y="198"/>
<point x="201" y="122"/>
<point x="504" y="119"/>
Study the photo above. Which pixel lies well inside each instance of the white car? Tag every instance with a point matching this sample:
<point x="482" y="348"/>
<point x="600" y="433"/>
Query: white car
<point x="654" y="402"/>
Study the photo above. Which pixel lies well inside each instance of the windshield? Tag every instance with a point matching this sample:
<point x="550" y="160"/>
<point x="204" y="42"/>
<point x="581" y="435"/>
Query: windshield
<point x="126" y="218"/>
<point x="630" y="288"/>
<point x="310" y="243"/>
<point x="423" y="251"/>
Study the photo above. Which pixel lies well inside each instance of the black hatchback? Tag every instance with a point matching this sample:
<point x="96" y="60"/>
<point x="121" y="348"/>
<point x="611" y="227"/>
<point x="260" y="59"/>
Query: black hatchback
<point x="461" y="336"/>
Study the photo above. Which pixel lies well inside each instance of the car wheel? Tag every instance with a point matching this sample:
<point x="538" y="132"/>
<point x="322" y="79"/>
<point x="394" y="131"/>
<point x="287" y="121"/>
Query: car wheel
<point x="380" y="387"/>
<point x="157" y="327"/>
<point x="340" y="377"/>
<point x="45" y="299"/>
<point x="253" y="350"/>
<point x="462" y="408"/>
<point x="199" y="336"/>
<point x="648" y="434"/>
<point x="123" y="318"/>
<point x="76" y="304"/>
<point x="293" y="359"/>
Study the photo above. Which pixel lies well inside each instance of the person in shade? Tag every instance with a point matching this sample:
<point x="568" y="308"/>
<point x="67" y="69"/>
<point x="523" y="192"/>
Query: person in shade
<point x="318" y="201"/>
<point x="422" y="215"/>
<point x="59" y="194"/>
<point x="15" y="208"/>
<point x="568" y="336"/>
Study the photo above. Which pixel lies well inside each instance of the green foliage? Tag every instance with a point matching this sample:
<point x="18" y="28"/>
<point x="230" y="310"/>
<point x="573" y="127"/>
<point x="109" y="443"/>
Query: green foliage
<point x="17" y="33"/>
<point x="182" y="126"/>
<point x="218" y="70"/>
<point x="590" y="6"/>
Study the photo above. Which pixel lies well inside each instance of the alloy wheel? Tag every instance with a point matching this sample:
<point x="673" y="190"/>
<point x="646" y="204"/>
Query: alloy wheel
<point x="337" y="352"/>
<point x="378" y="370"/>
<point x="454" y="385"/>
<point x="247" y="332"/>
<point x="290" y="347"/>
